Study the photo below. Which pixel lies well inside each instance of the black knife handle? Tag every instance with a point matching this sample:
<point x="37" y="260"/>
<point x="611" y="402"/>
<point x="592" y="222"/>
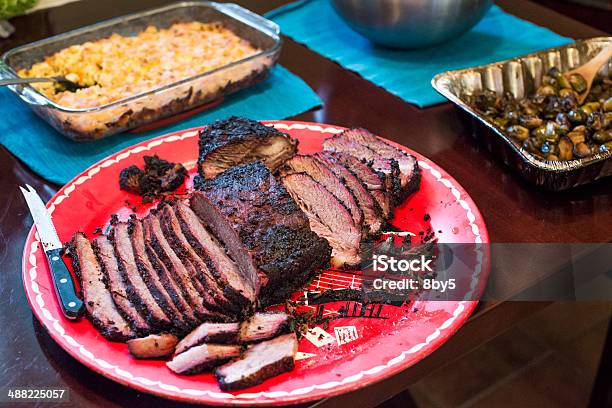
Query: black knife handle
<point x="64" y="286"/>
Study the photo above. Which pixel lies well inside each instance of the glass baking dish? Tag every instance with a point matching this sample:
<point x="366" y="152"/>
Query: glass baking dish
<point x="128" y="113"/>
<point x="522" y="76"/>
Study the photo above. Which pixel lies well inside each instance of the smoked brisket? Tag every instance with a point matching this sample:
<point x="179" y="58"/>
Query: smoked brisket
<point x="260" y="362"/>
<point x="328" y="218"/>
<point x="383" y="156"/>
<point x="136" y="287"/>
<point x="212" y="295"/>
<point x="98" y="301"/>
<point x="117" y="286"/>
<point x="262" y="228"/>
<point x="202" y="357"/>
<point x="372" y="213"/>
<point x="236" y="286"/>
<point x="234" y="141"/>
<point x="323" y="175"/>
<point x="209" y="333"/>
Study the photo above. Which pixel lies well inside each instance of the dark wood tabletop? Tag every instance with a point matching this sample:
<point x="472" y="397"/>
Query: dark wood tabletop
<point x="514" y="211"/>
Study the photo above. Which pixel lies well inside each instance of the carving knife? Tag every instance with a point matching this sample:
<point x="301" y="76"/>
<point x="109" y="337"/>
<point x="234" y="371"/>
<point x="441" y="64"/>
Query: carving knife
<point x="62" y="280"/>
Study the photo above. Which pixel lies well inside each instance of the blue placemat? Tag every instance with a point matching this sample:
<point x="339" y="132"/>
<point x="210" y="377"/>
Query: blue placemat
<point x="58" y="159"/>
<point x="407" y="74"/>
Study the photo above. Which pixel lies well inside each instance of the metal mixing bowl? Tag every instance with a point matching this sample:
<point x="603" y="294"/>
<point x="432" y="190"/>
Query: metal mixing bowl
<point x="411" y="23"/>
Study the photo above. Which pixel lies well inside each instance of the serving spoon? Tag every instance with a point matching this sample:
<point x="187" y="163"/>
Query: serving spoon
<point x="60" y="80"/>
<point x="589" y="70"/>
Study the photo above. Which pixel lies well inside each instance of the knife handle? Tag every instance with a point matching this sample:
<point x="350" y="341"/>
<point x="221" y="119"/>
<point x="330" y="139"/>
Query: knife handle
<point x="64" y="285"/>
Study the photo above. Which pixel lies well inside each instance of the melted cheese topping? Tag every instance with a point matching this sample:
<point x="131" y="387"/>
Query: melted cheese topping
<point x="117" y="67"/>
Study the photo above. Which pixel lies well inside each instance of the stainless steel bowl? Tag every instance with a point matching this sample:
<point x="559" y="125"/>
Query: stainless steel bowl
<point x="411" y="23"/>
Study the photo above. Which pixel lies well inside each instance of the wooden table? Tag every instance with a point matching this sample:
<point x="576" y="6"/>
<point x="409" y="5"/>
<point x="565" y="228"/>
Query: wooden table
<point x="513" y="210"/>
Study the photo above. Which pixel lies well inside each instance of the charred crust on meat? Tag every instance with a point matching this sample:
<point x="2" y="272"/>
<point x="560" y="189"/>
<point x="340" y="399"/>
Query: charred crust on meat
<point x="276" y="235"/>
<point x="158" y="176"/>
<point x="237" y="133"/>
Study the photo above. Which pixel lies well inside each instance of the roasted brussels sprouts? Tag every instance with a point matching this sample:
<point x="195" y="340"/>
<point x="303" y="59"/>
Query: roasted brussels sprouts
<point x="578" y="83"/>
<point x="551" y="124"/>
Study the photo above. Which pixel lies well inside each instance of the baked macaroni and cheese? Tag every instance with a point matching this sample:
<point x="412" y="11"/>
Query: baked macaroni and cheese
<point x="117" y="67"/>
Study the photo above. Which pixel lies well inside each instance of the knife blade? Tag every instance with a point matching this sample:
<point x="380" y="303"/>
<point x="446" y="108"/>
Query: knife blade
<point x="52" y="246"/>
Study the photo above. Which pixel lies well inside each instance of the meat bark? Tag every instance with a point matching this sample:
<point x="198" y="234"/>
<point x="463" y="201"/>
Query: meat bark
<point x="372" y="213"/>
<point x="260" y="362"/>
<point x="202" y="357"/>
<point x="263" y="229"/>
<point x="236" y="286"/>
<point x="235" y="141"/>
<point x="328" y="218"/>
<point x="98" y="301"/>
<point x="209" y="333"/>
<point x="137" y="290"/>
<point x="117" y="286"/>
<point x="328" y="179"/>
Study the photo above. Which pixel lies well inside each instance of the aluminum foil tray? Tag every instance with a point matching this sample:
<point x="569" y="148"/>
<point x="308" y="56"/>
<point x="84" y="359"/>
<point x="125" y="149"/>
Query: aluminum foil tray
<point x="522" y="76"/>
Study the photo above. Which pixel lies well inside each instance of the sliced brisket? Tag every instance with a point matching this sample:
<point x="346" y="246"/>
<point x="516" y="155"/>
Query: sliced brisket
<point x="388" y="166"/>
<point x="263" y="229"/>
<point x="202" y="357"/>
<point x="410" y="174"/>
<point x="328" y="218"/>
<point x="233" y="141"/>
<point x="209" y="333"/>
<point x="260" y="362"/>
<point x="263" y="326"/>
<point x="98" y="301"/>
<point x="212" y="294"/>
<point x="137" y="290"/>
<point x="326" y="177"/>
<point x="117" y="286"/>
<point x="375" y="181"/>
<point x="179" y="274"/>
<point x="372" y="213"/>
<point x="155" y="281"/>
<point x="236" y="286"/>
<point x="153" y="346"/>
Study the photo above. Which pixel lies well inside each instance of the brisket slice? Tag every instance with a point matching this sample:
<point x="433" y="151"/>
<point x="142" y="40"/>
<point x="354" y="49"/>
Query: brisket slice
<point x="106" y="257"/>
<point x="375" y="181"/>
<point x="187" y="314"/>
<point x="180" y="274"/>
<point x="372" y="213"/>
<point x="213" y="295"/>
<point x="156" y="282"/>
<point x="260" y="362"/>
<point x="233" y="141"/>
<point x="153" y="346"/>
<point x="328" y="218"/>
<point x="236" y="287"/>
<point x="98" y="301"/>
<point x="263" y="229"/>
<point x="388" y="166"/>
<point x="410" y="174"/>
<point x="327" y="178"/>
<point x="263" y="326"/>
<point x="209" y="333"/>
<point x="203" y="357"/>
<point x="136" y="288"/>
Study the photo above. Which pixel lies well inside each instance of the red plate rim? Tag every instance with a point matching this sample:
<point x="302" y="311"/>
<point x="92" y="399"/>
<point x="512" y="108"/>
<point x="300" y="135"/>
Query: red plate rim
<point x="330" y="389"/>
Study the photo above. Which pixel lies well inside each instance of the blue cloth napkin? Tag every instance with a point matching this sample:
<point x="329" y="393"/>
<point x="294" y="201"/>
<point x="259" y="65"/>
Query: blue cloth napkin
<point x="407" y="74"/>
<point x="58" y="159"/>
